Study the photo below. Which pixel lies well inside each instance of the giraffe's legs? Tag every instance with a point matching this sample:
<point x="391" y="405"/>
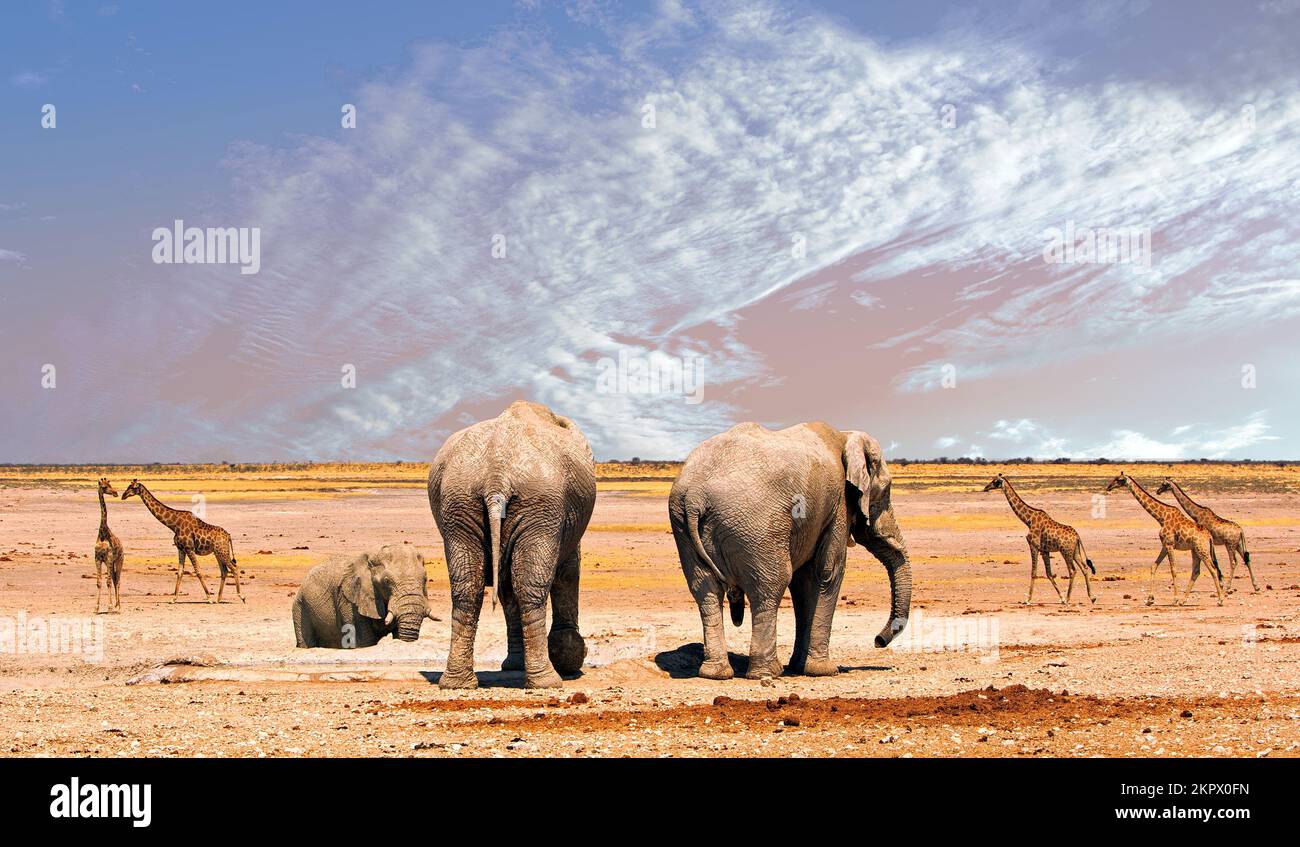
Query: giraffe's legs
<point x="1151" y="588"/>
<point x="1200" y="556"/>
<point x="1033" y="572"/>
<point x="180" y="571"/>
<point x="99" y="584"/>
<point x="1087" y="583"/>
<point x="115" y="584"/>
<point x="227" y="567"/>
<point x="195" y="562"/>
<point x="1245" y="558"/>
<point x="1069" y="591"/>
<point x="1047" y="566"/>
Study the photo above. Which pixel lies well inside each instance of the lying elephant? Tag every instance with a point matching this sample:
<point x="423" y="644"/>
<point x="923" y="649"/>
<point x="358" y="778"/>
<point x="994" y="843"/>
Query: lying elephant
<point x="355" y="602"/>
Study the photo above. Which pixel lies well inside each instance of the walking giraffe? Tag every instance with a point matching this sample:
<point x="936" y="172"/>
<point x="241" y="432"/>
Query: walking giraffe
<point x="192" y="537"/>
<point x="1222" y="531"/>
<point x="1177" y="532"/>
<point x="108" y="555"/>
<point x="1047" y="536"/>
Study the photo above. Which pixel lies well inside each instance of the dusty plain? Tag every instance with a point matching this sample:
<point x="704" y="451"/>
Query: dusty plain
<point x="978" y="673"/>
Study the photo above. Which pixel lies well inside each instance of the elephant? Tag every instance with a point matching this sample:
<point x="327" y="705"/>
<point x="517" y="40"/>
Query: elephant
<point x="755" y="510"/>
<point x="355" y="602"/>
<point x="511" y="497"/>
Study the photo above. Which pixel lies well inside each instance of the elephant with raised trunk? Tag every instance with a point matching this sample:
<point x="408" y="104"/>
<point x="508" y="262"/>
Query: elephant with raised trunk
<point x="512" y="497"/>
<point x="754" y="511"/>
<point x="355" y="602"/>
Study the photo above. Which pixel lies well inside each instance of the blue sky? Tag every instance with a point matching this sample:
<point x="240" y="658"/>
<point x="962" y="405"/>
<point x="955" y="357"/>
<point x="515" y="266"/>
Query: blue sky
<point x="838" y="212"/>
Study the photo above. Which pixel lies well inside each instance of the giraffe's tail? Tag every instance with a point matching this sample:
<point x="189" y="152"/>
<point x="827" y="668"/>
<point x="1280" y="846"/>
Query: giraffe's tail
<point x="1083" y="555"/>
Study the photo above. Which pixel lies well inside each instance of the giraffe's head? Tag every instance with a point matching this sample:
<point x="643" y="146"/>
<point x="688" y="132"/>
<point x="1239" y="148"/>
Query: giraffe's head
<point x="134" y="488"/>
<point x="1120" y="481"/>
<point x="995" y="483"/>
<point x="1166" y="486"/>
<point x="106" y="487"/>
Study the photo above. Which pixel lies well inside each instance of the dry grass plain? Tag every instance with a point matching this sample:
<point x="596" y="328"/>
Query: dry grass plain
<point x="1116" y="678"/>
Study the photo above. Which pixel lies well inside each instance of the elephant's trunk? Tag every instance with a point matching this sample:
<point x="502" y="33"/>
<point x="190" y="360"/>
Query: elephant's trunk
<point x="885" y="542"/>
<point x="408" y="626"/>
<point x="900" y="588"/>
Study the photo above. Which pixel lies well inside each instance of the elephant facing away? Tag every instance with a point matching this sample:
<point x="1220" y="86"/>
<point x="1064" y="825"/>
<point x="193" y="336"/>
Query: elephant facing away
<point x="355" y="602"/>
<point x="512" y="497"/>
<point x="754" y="511"/>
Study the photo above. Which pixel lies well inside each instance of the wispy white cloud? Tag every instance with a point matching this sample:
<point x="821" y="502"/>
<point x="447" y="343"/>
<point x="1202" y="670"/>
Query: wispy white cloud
<point x="28" y="79"/>
<point x="1185" y="442"/>
<point x="770" y="131"/>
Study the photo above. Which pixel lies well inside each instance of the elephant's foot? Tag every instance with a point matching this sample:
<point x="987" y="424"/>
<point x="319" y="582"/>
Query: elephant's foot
<point x="759" y="669"/>
<point x="513" y="662"/>
<point x="820" y="667"/>
<point x="451" y="680"/>
<point x="566" y="650"/>
<point x="720" y="669"/>
<point x="546" y="679"/>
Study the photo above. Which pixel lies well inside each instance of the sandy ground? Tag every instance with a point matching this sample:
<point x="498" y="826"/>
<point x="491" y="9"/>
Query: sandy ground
<point x="978" y="673"/>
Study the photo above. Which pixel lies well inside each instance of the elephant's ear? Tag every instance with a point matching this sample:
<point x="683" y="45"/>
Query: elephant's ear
<point x="865" y="469"/>
<point x="359" y="588"/>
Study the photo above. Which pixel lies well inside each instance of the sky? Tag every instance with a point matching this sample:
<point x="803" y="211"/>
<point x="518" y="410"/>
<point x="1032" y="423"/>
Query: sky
<point x="851" y="212"/>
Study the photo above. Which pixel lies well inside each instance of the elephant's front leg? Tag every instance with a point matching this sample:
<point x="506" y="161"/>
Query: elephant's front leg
<point x="532" y="572"/>
<point x="565" y="646"/>
<point x="803" y="597"/>
<point x="466" y="574"/>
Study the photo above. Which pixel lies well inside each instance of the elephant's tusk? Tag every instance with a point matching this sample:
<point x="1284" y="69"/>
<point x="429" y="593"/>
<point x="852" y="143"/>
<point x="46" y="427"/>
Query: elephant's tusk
<point x="388" y="619"/>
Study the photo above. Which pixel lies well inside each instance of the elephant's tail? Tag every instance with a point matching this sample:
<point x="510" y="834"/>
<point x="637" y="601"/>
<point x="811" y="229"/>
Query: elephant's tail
<point x="693" y="517"/>
<point x="496" y="505"/>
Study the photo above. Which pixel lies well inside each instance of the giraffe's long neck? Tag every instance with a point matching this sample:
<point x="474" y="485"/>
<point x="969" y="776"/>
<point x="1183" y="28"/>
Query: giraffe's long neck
<point x="1187" y="503"/>
<point x="1160" y="511"/>
<point x="165" y="514"/>
<point x="103" y="516"/>
<point x="1022" y="509"/>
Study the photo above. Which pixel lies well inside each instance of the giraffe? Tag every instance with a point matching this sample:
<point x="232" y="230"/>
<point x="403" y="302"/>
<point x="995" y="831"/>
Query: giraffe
<point x="1222" y="531"/>
<point x="193" y="537"/>
<point x="1177" y="532"/>
<point x="108" y="555"/>
<point x="1047" y="536"/>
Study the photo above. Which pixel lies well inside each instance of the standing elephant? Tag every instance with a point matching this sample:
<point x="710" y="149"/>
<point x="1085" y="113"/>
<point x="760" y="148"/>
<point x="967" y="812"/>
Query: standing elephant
<point x="755" y="510"/>
<point x="512" y="497"/>
<point x="374" y="594"/>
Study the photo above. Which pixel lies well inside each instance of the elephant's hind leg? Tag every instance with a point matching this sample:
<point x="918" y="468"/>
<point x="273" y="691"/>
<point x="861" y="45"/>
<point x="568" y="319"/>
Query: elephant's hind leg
<point x="514" y="660"/>
<point x="533" y="567"/>
<point x="708" y="593"/>
<point x="465" y="567"/>
<point x="564" y="645"/>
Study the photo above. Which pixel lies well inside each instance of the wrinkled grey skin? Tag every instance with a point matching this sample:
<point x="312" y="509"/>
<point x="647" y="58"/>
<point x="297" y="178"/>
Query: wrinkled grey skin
<point x="512" y="497"/>
<point x="754" y="511"/>
<point x="375" y="593"/>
